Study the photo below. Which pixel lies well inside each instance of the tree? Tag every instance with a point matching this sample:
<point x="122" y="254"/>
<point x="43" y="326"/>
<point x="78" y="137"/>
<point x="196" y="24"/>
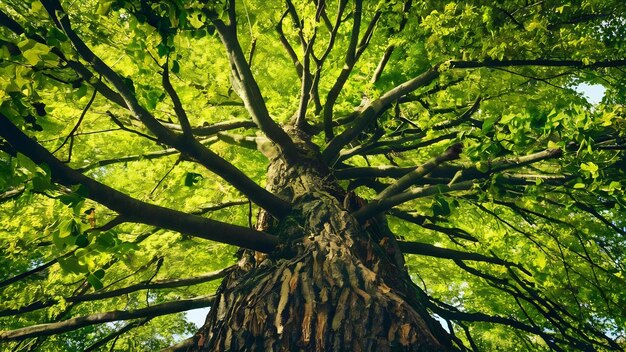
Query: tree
<point x="384" y="168"/>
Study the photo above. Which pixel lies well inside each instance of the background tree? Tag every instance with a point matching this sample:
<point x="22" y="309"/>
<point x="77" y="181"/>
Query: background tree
<point x="385" y="167"/>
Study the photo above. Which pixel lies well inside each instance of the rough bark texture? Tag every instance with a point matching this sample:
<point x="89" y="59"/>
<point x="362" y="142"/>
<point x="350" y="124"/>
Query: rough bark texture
<point x="333" y="284"/>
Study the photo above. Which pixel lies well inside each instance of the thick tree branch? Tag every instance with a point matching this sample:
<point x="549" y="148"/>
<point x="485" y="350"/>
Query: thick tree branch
<point x="183" y="119"/>
<point x="56" y="12"/>
<point x="378" y="206"/>
<point x="186" y="145"/>
<point x="353" y="54"/>
<point x="99" y="318"/>
<point x="247" y="88"/>
<point x="411" y="177"/>
<point x="132" y="209"/>
<point x="371" y="112"/>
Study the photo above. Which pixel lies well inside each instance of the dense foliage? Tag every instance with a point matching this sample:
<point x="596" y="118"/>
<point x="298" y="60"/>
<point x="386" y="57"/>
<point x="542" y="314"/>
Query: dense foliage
<point x="518" y="241"/>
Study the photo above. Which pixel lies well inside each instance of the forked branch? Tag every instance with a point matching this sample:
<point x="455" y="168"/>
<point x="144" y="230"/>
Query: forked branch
<point x="131" y="209"/>
<point x="186" y="145"/>
<point x="247" y="88"/>
<point x="371" y="111"/>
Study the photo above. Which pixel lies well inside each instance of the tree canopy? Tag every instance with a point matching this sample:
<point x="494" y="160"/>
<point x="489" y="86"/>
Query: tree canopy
<point x="135" y="139"/>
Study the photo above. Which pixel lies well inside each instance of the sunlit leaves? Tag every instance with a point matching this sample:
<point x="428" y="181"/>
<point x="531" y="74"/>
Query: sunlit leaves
<point x="540" y="215"/>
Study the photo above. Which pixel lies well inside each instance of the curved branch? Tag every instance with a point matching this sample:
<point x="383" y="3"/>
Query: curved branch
<point x="131" y="209"/>
<point x="536" y="62"/>
<point x="209" y="208"/>
<point x="12" y="193"/>
<point x="355" y="49"/>
<point x="183" y="119"/>
<point x="35" y="270"/>
<point x="201" y="154"/>
<point x="60" y="17"/>
<point x="450" y="312"/>
<point x="283" y="40"/>
<point x="370" y="112"/>
<point x="390" y="49"/>
<point x="350" y="60"/>
<point x="99" y="318"/>
<point x="247" y="88"/>
<point x="395" y="146"/>
<point x="451" y="232"/>
<point x="83" y="72"/>
<point x="183" y="346"/>
<point x="372" y="172"/>
<point x="249" y="142"/>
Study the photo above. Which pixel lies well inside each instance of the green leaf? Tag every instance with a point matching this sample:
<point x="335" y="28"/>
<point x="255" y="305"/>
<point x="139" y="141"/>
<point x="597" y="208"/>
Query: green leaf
<point x="99" y="273"/>
<point x="57" y="240"/>
<point x="196" y="20"/>
<point x="82" y="241"/>
<point x="32" y="51"/>
<point x="591" y="168"/>
<point x="27" y="165"/>
<point x="440" y="207"/>
<point x="191" y="178"/>
<point x="126" y="247"/>
<point x="107" y="239"/>
<point x="482" y="166"/>
<point x="95" y="282"/>
<point x="71" y="264"/>
<point x="103" y="7"/>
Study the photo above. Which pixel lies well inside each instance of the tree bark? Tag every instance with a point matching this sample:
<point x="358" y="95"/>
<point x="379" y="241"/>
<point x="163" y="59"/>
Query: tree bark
<point x="332" y="284"/>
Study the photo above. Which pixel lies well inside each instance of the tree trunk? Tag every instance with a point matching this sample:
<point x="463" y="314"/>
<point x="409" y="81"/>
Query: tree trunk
<point x="332" y="284"/>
